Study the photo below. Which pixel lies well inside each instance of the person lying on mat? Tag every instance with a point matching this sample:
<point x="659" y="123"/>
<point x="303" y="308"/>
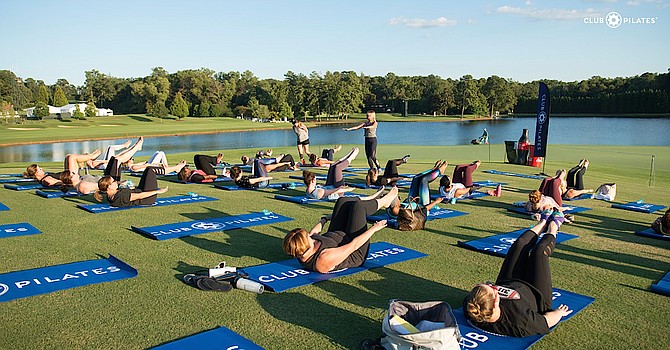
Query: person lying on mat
<point x="390" y="176"/>
<point x="537" y="203"/>
<point x="326" y="159"/>
<point x="71" y="164"/>
<point x="519" y="303"/>
<point x="281" y="163"/>
<point x="450" y="190"/>
<point x="89" y="183"/>
<point x="204" y="172"/>
<point x="662" y="224"/>
<point x="572" y="181"/>
<point x="420" y="188"/>
<point x="259" y="179"/>
<point x="101" y="161"/>
<point x="334" y="182"/>
<point x="144" y="194"/>
<point x="347" y="241"/>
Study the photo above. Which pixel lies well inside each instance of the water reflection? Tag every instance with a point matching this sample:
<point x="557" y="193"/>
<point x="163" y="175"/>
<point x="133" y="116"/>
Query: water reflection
<point x="593" y="131"/>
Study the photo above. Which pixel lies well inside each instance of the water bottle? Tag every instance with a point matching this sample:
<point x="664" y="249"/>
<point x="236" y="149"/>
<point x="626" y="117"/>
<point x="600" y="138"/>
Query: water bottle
<point x="266" y="212"/>
<point x="192" y="194"/>
<point x="248" y="285"/>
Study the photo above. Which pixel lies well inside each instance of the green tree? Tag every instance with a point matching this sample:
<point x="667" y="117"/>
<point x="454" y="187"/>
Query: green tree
<point x="41" y="110"/>
<point x="499" y="94"/>
<point x="42" y="94"/>
<point x="77" y="112"/>
<point x="90" y="110"/>
<point x="204" y="109"/>
<point x="59" y="97"/>
<point x="179" y="108"/>
<point x="469" y="95"/>
<point x="286" y="113"/>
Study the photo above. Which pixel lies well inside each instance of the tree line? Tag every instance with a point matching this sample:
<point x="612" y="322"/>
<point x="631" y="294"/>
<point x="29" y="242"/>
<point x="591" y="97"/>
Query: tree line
<point x="204" y="92"/>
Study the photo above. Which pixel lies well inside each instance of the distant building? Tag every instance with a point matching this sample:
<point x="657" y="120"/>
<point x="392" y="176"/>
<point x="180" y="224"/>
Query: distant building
<point x="380" y="108"/>
<point x="68" y="110"/>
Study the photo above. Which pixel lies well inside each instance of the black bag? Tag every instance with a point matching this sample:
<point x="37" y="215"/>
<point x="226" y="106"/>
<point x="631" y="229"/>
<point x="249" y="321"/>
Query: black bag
<point x="412" y="219"/>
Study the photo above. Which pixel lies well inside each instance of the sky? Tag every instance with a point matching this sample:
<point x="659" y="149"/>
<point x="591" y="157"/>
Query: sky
<point x="520" y="40"/>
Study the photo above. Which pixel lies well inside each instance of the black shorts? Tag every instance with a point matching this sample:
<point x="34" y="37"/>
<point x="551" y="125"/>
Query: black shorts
<point x="306" y="142"/>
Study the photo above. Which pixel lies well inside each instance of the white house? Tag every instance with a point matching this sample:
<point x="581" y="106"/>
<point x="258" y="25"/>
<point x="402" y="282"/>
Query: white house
<point x="68" y="110"/>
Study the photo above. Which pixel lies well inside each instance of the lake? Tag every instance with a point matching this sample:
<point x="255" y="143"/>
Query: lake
<point x="562" y="130"/>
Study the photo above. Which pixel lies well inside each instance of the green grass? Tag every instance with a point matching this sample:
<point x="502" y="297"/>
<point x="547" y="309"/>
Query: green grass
<point x="607" y="262"/>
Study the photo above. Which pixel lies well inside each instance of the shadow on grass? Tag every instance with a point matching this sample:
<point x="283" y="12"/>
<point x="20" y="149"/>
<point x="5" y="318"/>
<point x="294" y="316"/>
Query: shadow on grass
<point x="307" y="312"/>
<point x="140" y="118"/>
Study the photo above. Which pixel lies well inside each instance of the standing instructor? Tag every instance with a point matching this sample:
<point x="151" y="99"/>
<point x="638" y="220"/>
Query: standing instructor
<point x="370" y="132"/>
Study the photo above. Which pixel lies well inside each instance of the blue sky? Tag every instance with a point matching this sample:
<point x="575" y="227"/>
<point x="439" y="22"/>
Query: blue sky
<point x="521" y="40"/>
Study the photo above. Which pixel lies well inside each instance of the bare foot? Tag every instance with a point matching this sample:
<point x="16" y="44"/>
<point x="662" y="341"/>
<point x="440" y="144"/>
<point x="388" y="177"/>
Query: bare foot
<point x="127" y="144"/>
<point x="443" y="167"/>
<point x="219" y="158"/>
<point x="385" y="201"/>
<point x="337" y="148"/>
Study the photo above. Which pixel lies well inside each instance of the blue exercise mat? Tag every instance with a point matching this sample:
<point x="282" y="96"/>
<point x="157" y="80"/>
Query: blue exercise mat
<point x="522" y="210"/>
<point x="11" y="175"/>
<point x="499" y="245"/>
<point x="3" y="207"/>
<point x="16" y="179"/>
<point x="641" y="207"/>
<point x="288" y="274"/>
<point x="306" y="200"/>
<point x="663" y="286"/>
<point x="279" y="185"/>
<point x="399" y="183"/>
<point x="359" y="170"/>
<point x="580" y="197"/>
<point x="474" y="337"/>
<point x="485" y="183"/>
<point x="652" y="234"/>
<point x="20" y="229"/>
<point x="26" y="186"/>
<point x="506" y="173"/>
<point x="57" y="194"/>
<point x="318" y="176"/>
<point x="473" y="195"/>
<point x="160" y="202"/>
<point x="433" y="214"/>
<point x="217" y="338"/>
<point x="22" y="284"/>
<point x="196" y="227"/>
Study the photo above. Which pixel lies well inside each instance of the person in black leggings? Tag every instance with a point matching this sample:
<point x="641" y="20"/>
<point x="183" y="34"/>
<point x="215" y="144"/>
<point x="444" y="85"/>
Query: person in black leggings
<point x="347" y="241"/>
<point x="390" y="176"/>
<point x="519" y="304"/>
<point x="370" y="128"/>
<point x="205" y="169"/>
<point x="334" y="180"/>
<point x="144" y="194"/>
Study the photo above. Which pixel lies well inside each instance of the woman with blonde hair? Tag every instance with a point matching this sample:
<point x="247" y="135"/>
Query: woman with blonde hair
<point x="519" y="303"/>
<point x="347" y="241"/>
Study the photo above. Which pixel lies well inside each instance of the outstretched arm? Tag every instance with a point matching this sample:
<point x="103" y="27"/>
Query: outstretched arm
<point x="332" y="257"/>
<point x="354" y="127"/>
<point x="554" y="316"/>
<point x="259" y="179"/>
<point x="434" y="203"/>
<point x="146" y="194"/>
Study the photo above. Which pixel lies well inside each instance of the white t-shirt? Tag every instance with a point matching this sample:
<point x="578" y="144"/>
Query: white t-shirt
<point x="450" y="194"/>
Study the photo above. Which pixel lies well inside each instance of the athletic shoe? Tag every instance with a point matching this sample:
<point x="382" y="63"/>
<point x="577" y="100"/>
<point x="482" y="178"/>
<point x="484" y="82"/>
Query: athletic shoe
<point x="546" y="214"/>
<point x="558" y="218"/>
<point x="405" y="159"/>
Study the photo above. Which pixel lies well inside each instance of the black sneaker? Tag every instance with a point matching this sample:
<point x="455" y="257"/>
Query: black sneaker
<point x="405" y="158"/>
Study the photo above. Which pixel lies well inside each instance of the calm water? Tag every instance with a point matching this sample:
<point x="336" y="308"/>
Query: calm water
<point x="564" y="130"/>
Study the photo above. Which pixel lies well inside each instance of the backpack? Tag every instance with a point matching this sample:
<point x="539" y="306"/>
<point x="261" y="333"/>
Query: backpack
<point x="432" y="325"/>
<point x="606" y="192"/>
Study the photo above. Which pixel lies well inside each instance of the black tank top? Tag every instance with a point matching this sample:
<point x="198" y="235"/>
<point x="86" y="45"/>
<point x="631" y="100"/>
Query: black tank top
<point x="329" y="240"/>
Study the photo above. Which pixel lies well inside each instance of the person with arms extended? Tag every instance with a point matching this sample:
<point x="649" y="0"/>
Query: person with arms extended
<point x="519" y="303"/>
<point x="347" y="241"/>
<point x="301" y="131"/>
<point x="370" y="133"/>
<point x="145" y="194"/>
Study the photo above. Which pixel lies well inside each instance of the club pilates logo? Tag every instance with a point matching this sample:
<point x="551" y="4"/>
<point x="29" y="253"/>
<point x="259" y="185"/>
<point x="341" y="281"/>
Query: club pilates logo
<point x="615" y="20"/>
<point x="208" y="226"/>
<point x="542" y="117"/>
<point x="3" y="288"/>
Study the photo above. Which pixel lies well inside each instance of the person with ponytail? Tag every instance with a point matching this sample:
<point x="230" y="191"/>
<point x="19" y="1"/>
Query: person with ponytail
<point x="144" y="194"/>
<point x="519" y="304"/>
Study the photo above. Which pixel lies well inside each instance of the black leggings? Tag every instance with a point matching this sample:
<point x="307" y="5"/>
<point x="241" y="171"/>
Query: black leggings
<point x="350" y="216"/>
<point x="575" y="177"/>
<point x="287" y="158"/>
<point x="149" y="182"/>
<point x="204" y="163"/>
<point x="530" y="262"/>
<point x="390" y="171"/>
<point x="112" y="169"/>
<point x="371" y="152"/>
<point x="328" y="153"/>
<point x="335" y="177"/>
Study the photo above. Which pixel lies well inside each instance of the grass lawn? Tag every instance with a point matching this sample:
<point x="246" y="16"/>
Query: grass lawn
<point x="607" y="261"/>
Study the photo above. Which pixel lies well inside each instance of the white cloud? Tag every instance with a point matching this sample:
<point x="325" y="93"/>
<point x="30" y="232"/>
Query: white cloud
<point x="658" y="3"/>
<point x="549" y="14"/>
<point x="422" y="23"/>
